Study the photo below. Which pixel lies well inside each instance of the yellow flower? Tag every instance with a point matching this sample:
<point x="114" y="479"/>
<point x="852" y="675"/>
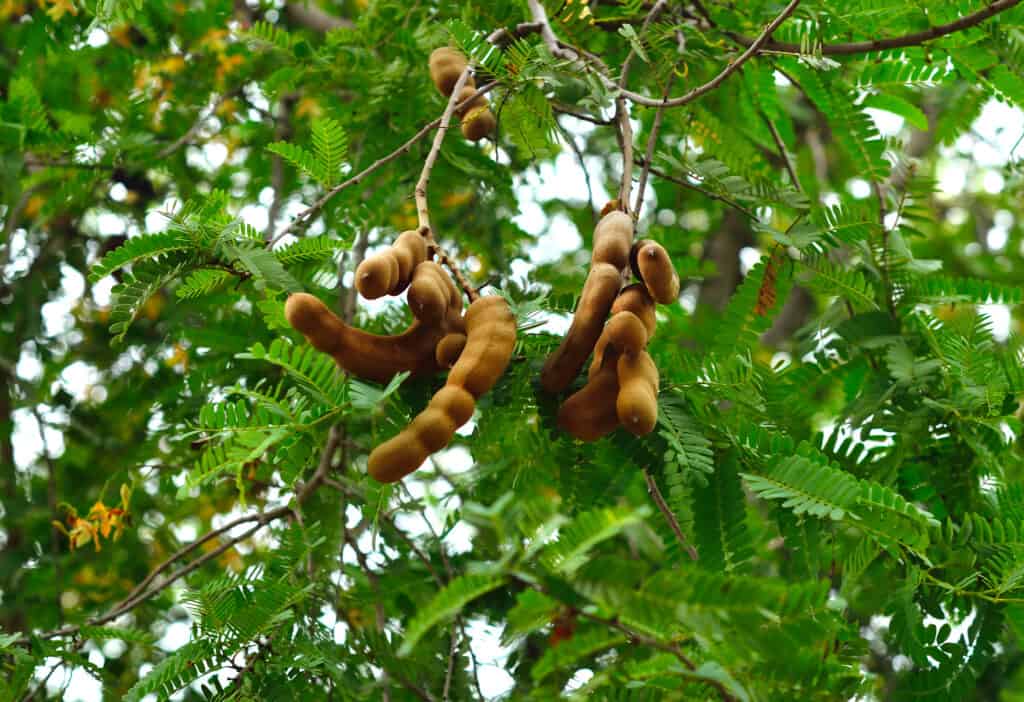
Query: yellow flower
<point x="59" y="8"/>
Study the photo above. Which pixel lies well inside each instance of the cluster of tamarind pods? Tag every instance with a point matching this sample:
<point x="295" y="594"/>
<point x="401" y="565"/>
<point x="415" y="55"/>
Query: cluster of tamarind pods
<point x="475" y="346"/>
<point x="446" y="66"/>
<point x="613" y="323"/>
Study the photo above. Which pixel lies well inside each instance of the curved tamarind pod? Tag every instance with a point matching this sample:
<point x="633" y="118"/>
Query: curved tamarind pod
<point x="590" y="413"/>
<point x="446" y="65"/>
<point x="449" y="348"/>
<point x="632" y="298"/>
<point x="613" y="237"/>
<point x="409" y="250"/>
<point x="626" y="332"/>
<point x="478" y="101"/>
<point x="637" y="401"/>
<point x="478" y="123"/>
<point x="651" y="264"/>
<point x="390" y="271"/>
<point x="429" y="296"/>
<point x="635" y="298"/>
<point x="599" y="292"/>
<point x="490" y="339"/>
<point x="491" y="336"/>
<point x="364" y="355"/>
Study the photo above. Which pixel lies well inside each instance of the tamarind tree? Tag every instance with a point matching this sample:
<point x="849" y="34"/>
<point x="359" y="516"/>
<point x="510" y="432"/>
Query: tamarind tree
<point x="392" y="350"/>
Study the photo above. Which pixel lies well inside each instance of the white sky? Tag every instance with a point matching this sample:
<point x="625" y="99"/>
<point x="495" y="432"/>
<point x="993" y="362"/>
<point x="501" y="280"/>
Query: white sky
<point x="995" y="134"/>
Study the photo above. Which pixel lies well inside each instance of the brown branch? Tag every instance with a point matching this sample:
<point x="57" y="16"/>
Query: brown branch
<point x="312" y="17"/>
<point x="304" y="217"/>
<point x="652" y="142"/>
<point x="659" y="500"/>
<point x="756" y="45"/>
<point x="422" y="208"/>
<point x="781" y="145"/>
<point x="566" y="110"/>
<point x="914" y="39"/>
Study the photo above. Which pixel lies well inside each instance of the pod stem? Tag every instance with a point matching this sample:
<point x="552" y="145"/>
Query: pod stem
<point x="422" y="206"/>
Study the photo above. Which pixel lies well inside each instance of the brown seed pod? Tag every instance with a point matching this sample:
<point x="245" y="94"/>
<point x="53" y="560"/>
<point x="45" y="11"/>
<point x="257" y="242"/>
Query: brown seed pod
<point x="449" y="348"/>
<point x="612" y="238"/>
<point x="390" y="271"/>
<point x="651" y="264"/>
<point x="636" y="300"/>
<point x="599" y="292"/>
<point x="491" y="335"/>
<point x="365" y="355"/>
<point x="477" y="102"/>
<point x="590" y="413"/>
<point x="478" y="123"/>
<point x="446" y="65"/>
<point x="431" y="292"/>
<point x="637" y="401"/>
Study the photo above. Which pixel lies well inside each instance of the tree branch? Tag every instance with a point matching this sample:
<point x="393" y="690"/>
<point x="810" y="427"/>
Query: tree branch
<point x="652" y="142"/>
<point x="659" y="500"/>
<point x="914" y="39"/>
<point x="698" y="189"/>
<point x="304" y="217"/>
<point x="422" y="208"/>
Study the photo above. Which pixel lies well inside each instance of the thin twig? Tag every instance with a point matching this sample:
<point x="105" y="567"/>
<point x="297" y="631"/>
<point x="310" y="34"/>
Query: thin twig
<point x="422" y="208"/>
<point x="622" y="114"/>
<point x="304" y="217"/>
<point x="659" y="500"/>
<point x="698" y="189"/>
<point x="652" y="142"/>
<point x="583" y="167"/>
<point x="781" y="145"/>
<point x="185" y="138"/>
<point x="914" y="39"/>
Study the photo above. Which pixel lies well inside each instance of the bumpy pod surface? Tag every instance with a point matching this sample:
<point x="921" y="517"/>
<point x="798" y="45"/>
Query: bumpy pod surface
<point x="590" y="413"/>
<point x="490" y="339"/>
<point x="446" y="65"/>
<point x="365" y="355"/>
<point x="478" y="123"/>
<point x="651" y="264"/>
<point x="450" y="348"/>
<point x="431" y="293"/>
<point x="637" y="401"/>
<point x="390" y="271"/>
<point x="477" y="102"/>
<point x="596" y="300"/>
<point x="633" y="299"/>
<point x="613" y="238"/>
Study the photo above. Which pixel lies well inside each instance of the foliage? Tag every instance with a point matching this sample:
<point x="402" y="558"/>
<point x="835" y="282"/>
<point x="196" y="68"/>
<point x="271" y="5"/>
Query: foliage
<point x="831" y="506"/>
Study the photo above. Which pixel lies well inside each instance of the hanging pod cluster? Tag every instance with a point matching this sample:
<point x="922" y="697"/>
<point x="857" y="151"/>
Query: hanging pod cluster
<point x="446" y="65"/>
<point x="615" y="324"/>
<point x="476" y="346"/>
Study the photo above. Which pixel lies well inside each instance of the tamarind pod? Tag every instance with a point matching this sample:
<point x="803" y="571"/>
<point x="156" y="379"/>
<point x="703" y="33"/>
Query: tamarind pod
<point x="409" y="250"/>
<point x="490" y="340"/>
<point x="632" y="298"/>
<point x="433" y="427"/>
<point x="478" y="101"/>
<point x="635" y="298"/>
<point x="478" y="123"/>
<point x="651" y="264"/>
<point x="397" y="457"/>
<point x="626" y="332"/>
<point x="449" y="348"/>
<point x="599" y="292"/>
<point x="637" y="401"/>
<point x="613" y="237"/>
<point x="457" y="403"/>
<point x="590" y="413"/>
<point x="377" y="275"/>
<point x="364" y="355"/>
<point x="446" y="65"/>
<point x="429" y="297"/>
